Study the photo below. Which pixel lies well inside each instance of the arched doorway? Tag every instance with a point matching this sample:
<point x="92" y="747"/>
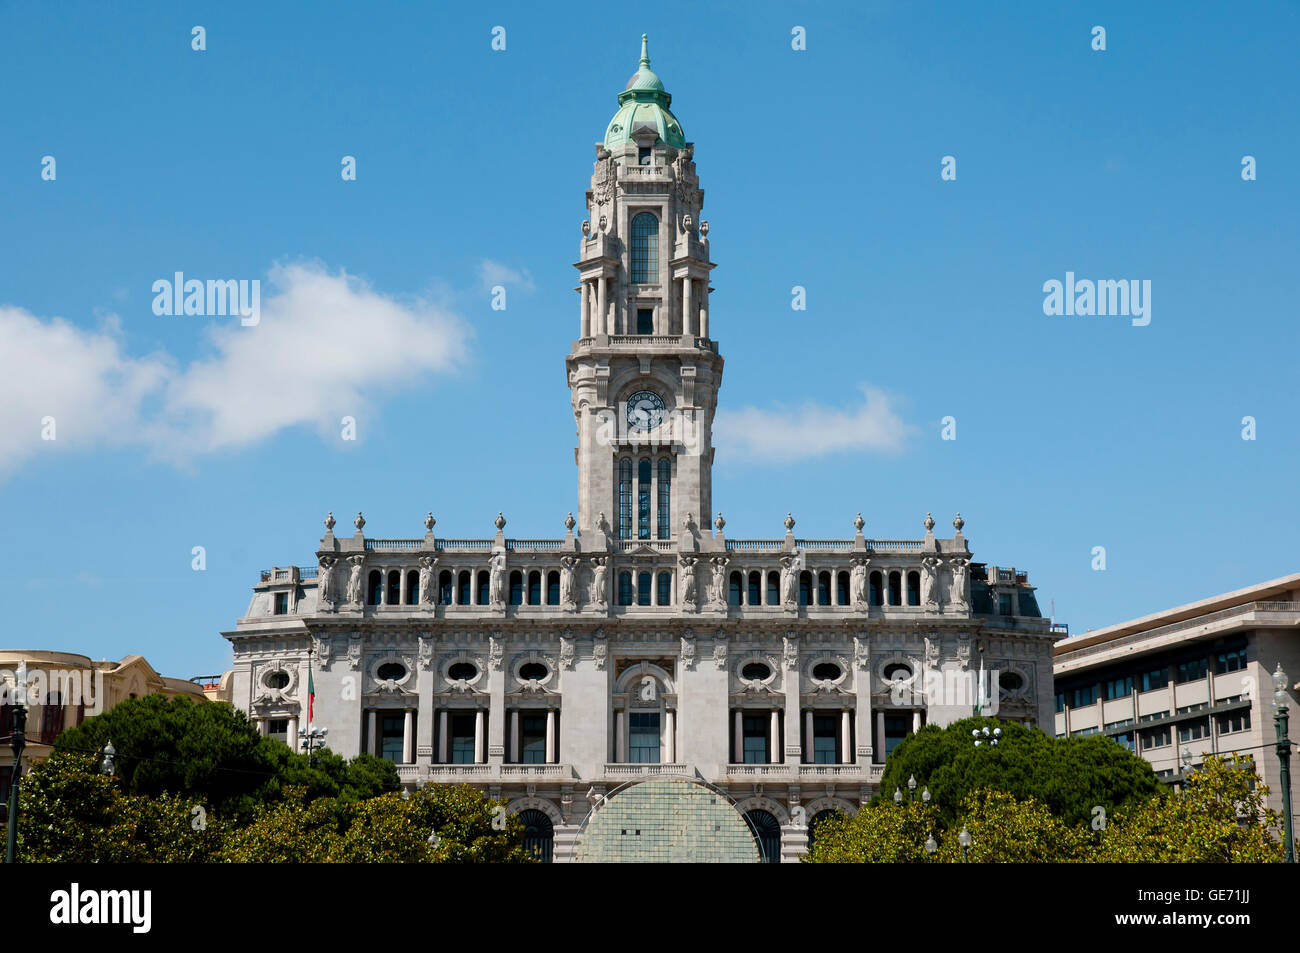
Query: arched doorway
<point x="539" y="834"/>
<point x="767" y="831"/>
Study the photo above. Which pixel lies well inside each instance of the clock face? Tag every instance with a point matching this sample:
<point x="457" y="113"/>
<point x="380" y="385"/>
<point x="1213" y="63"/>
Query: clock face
<point x="645" y="411"/>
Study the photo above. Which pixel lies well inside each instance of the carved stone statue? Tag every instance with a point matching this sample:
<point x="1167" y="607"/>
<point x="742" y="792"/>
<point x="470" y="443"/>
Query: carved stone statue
<point x="323" y="649"/>
<point x="959" y="590"/>
<point x="568" y="568"/>
<point x="858" y="584"/>
<point x="567" y="652"/>
<point x="688" y="652"/>
<point x="720" y="651"/>
<point x="600" y="653"/>
<point x="789" y="582"/>
<point x="862" y="653"/>
<point x="931" y="652"/>
<point x="496" y="652"/>
<point x="930" y="583"/>
<point x="425" y="652"/>
<point x="354" y="651"/>
<point x="599" y="584"/>
<point x="790" y="650"/>
<point x="689" y="595"/>
<point x="355" y="593"/>
<point x="719" y="593"/>
<point x="428" y="594"/>
<point x="497" y="580"/>
<point x="327" y="594"/>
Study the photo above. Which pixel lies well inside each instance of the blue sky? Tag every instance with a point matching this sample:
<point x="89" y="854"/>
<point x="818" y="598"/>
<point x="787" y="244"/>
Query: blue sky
<point x="821" y="169"/>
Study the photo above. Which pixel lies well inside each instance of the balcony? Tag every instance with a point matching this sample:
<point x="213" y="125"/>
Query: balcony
<point x="848" y="773"/>
<point x="633" y="772"/>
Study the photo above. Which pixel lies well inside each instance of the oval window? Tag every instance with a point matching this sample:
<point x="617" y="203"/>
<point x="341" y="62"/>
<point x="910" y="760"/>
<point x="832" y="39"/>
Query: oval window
<point x="755" y="671"/>
<point x="896" y="671"/>
<point x="826" y="671"/>
<point x="1010" y="681"/>
<point x="462" y="671"/>
<point x="533" y="671"/>
<point x="278" y="680"/>
<point x="391" y="670"/>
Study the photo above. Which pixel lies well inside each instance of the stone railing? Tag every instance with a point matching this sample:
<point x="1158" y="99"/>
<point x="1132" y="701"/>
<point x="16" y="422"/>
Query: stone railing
<point x="643" y="339"/>
<point x="871" y="773"/>
<point x="525" y="772"/>
<point x="628" y="772"/>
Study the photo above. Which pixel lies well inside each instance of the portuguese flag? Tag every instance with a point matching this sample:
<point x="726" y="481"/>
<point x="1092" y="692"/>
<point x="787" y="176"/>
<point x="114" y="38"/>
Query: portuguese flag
<point x="311" y="696"/>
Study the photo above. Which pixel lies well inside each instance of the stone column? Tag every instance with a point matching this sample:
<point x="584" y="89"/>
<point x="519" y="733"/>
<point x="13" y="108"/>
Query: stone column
<point x="688" y="316"/>
<point x="774" y="741"/>
<point x="846" y="738"/>
<point x="916" y="721"/>
<point x="620" y="736"/>
<point x="480" y="736"/>
<point x="704" y="310"/>
<point x="862" y="703"/>
<point x="443" y="752"/>
<point x="602" y="313"/>
<point x="739" y="736"/>
<point x="585" y="329"/>
<point x="550" y="736"/>
<point x="372" y="733"/>
<point x="401" y="588"/>
<point x="878" y="750"/>
<point x="408" y="736"/>
<point x="292" y="737"/>
<point x="670" y="737"/>
<point x="809" y="739"/>
<point x="512" y="751"/>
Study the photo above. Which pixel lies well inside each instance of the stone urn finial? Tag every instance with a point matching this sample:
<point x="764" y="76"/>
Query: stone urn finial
<point x="958" y="523"/>
<point x="704" y="228"/>
<point x="570" y="522"/>
<point x="928" y="523"/>
<point x="499" y="522"/>
<point x="429" y="521"/>
<point x="789" y="523"/>
<point x="859" y="522"/>
<point x="719" y="522"/>
<point x="359" y="522"/>
<point x="329" y="522"/>
<point x="586" y="227"/>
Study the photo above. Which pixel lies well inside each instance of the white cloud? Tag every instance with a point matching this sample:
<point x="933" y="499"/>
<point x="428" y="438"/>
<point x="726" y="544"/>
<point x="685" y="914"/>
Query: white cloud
<point x="327" y="345"/>
<point x="811" y="429"/>
<point x="492" y="273"/>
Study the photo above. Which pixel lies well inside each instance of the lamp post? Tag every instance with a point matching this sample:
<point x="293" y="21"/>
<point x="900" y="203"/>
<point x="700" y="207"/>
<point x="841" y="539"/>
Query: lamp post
<point x="931" y="848"/>
<point x="911" y="793"/>
<point x="312" y="739"/>
<point x="965" y="840"/>
<point x="17" y="741"/>
<point x="1280" y="718"/>
<point x="107" y="767"/>
<point x="982" y="735"/>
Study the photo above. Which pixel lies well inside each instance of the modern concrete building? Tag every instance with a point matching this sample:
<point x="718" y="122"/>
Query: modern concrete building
<point x="644" y="642"/>
<point x="1195" y="680"/>
<point x="63" y="689"/>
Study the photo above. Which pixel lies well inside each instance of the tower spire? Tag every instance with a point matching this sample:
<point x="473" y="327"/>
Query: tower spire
<point x="645" y="52"/>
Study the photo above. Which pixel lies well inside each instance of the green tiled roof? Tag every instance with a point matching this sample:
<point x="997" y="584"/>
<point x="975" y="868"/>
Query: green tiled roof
<point x="644" y="101"/>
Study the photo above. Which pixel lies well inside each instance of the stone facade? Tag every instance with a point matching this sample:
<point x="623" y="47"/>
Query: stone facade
<point x="644" y="642"/>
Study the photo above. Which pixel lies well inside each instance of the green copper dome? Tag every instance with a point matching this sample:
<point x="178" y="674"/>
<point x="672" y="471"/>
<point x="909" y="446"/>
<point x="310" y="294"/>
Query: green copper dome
<point x="644" y="101"/>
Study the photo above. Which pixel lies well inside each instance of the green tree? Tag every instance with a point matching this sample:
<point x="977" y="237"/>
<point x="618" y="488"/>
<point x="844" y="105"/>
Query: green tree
<point x="71" y="813"/>
<point x="1069" y="776"/>
<point x="877" y="834"/>
<point x="1005" y="830"/>
<point x="1218" y="817"/>
<point x="212" y="753"/>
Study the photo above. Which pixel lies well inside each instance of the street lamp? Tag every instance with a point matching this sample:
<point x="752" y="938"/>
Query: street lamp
<point x="911" y="792"/>
<point x="107" y="767"/>
<point x="982" y="735"/>
<point x="931" y="848"/>
<point x="17" y="741"/>
<point x="312" y="739"/>
<point x="965" y="840"/>
<point x="1280" y="718"/>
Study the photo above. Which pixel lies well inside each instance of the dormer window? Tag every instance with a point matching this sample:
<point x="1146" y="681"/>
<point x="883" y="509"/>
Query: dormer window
<point x="643" y="156"/>
<point x="645" y="321"/>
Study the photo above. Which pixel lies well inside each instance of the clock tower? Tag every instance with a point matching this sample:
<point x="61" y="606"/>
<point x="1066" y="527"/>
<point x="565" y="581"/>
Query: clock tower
<point x="644" y="373"/>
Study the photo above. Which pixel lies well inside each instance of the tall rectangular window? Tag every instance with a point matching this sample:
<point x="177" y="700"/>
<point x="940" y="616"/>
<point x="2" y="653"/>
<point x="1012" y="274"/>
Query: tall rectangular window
<point x="643" y="737"/>
<point x="625" y="499"/>
<point x="665" y="497"/>
<point x="281" y="603"/>
<point x="645" y="321"/>
<point x="643" y="580"/>
<point x="897" y="727"/>
<point x="755" y="729"/>
<point x="643" y="500"/>
<point x="390" y="737"/>
<point x="532" y="739"/>
<point x="665" y="584"/>
<point x="461" y="748"/>
<point x="826" y="739"/>
<point x="645" y="249"/>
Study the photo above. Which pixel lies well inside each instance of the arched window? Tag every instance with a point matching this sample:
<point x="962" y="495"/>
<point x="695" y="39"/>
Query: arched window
<point x="824" y="588"/>
<point x="756" y="588"/>
<point x="643" y="500"/>
<point x="516" y="588"/>
<point x="394" y="587"/>
<point x="805" y="588"/>
<point x="534" y="588"/>
<point x="539" y="835"/>
<point x="625" y="499"/>
<point x="842" y="589"/>
<point x="665" y="588"/>
<point x="733" y="589"/>
<point x="876" y="594"/>
<point x="484" y="587"/>
<point x="665" y="498"/>
<point x="374" y="587"/>
<point x="914" y="588"/>
<point x="643" y="580"/>
<point x="895" y="588"/>
<point x="773" y="588"/>
<point x="412" y="587"/>
<point x="462" y="588"/>
<point x="767" y="831"/>
<point x="645" y="249"/>
<point x="553" y="588"/>
<point x="625" y="588"/>
<point x="445" y="587"/>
